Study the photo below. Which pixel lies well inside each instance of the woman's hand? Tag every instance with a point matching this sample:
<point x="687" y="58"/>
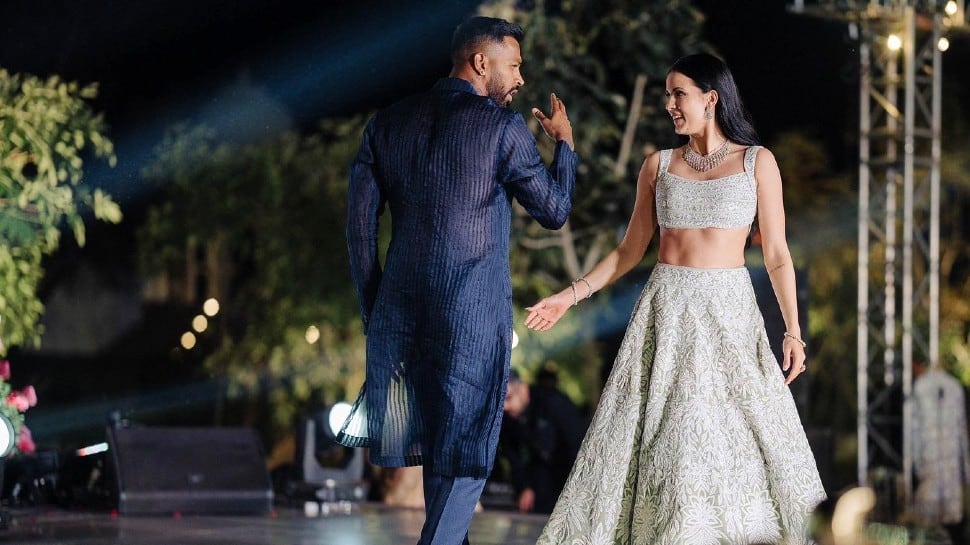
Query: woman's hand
<point x="544" y="314"/>
<point x="793" y="358"/>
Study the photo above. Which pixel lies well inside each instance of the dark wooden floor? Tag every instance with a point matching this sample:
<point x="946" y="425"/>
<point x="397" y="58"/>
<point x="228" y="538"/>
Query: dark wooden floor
<point x="367" y="524"/>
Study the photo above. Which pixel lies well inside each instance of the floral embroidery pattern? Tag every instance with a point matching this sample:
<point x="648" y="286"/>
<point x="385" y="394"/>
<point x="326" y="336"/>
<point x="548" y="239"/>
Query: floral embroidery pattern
<point x="696" y="439"/>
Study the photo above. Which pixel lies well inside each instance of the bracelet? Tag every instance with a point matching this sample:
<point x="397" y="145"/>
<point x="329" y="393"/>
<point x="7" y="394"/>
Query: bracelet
<point x="588" y="287"/>
<point x="575" y="299"/>
<point x="797" y="340"/>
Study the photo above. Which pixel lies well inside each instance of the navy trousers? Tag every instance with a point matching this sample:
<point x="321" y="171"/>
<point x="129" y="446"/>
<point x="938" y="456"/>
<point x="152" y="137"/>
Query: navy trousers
<point x="449" y="503"/>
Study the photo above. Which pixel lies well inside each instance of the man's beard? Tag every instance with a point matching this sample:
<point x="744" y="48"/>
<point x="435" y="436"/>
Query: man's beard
<point x="497" y="91"/>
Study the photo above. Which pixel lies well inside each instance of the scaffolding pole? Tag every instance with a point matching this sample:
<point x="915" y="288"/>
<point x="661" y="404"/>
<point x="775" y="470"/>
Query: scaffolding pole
<point x="900" y="78"/>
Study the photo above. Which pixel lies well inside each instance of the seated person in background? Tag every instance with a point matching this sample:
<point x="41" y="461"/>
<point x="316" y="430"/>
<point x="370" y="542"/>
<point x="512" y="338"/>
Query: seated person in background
<point x="540" y="437"/>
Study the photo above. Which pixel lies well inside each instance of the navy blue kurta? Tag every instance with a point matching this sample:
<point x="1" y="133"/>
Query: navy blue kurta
<point x="438" y="316"/>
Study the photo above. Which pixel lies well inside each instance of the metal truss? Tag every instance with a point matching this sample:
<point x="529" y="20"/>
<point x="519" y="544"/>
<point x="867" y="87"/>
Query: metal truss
<point x="900" y="76"/>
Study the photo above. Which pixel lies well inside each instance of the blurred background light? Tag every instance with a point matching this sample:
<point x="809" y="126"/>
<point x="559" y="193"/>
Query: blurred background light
<point x="188" y="340"/>
<point x="210" y="307"/>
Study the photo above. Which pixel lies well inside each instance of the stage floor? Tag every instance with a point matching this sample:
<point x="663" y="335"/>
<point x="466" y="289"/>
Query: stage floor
<point x="367" y="524"/>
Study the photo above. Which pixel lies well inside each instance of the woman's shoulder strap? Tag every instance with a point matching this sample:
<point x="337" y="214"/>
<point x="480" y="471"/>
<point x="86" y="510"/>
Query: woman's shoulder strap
<point x="664" y="161"/>
<point x="749" y="156"/>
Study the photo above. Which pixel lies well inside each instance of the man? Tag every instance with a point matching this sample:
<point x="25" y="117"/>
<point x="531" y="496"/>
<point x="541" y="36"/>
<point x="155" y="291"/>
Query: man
<point x="438" y="314"/>
<point x="540" y="438"/>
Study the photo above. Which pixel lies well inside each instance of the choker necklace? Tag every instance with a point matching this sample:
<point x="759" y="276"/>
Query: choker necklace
<point x="703" y="163"/>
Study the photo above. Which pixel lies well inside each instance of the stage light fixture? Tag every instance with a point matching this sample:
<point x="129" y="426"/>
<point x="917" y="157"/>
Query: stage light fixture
<point x="943" y="44"/>
<point x="330" y="471"/>
<point x="951" y="8"/>
<point x="7" y="436"/>
<point x="337" y="415"/>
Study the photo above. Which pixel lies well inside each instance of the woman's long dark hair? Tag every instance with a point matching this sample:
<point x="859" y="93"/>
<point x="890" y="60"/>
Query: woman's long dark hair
<point x="710" y="72"/>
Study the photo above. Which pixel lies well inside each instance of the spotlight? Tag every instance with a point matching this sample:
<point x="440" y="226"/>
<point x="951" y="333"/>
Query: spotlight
<point x="951" y="8"/>
<point x="7" y="435"/>
<point x="333" y="472"/>
<point x="943" y="44"/>
<point x="337" y="415"/>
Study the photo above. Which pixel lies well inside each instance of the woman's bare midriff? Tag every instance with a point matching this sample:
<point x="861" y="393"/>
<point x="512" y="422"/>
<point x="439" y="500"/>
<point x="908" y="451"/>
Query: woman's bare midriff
<point x="708" y="248"/>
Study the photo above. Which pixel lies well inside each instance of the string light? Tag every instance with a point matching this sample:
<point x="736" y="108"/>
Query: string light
<point x="200" y="323"/>
<point x="210" y="307"/>
<point x="188" y="340"/>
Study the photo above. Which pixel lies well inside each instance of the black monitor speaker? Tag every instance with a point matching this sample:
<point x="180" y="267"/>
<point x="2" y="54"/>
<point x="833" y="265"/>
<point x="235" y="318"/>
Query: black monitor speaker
<point x="189" y="470"/>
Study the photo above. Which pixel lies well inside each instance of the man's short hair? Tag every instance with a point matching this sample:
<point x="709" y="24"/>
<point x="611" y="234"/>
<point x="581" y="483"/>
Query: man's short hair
<point x="475" y="31"/>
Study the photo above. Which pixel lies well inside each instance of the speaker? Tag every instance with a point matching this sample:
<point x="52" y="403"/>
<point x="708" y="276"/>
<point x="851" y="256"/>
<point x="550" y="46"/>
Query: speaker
<point x="189" y="470"/>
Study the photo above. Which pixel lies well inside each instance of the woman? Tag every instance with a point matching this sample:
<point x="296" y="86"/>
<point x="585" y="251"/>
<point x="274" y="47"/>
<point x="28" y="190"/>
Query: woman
<point x="696" y="439"/>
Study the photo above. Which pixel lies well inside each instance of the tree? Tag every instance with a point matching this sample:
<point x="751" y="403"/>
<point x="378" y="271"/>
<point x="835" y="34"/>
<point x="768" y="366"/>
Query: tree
<point x="47" y="132"/>
<point x="269" y="217"/>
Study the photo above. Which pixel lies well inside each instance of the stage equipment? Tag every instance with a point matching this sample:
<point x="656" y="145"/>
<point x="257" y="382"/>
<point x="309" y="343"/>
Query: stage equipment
<point x="189" y="470"/>
<point x="900" y="45"/>
<point x="333" y="471"/>
<point x="8" y="437"/>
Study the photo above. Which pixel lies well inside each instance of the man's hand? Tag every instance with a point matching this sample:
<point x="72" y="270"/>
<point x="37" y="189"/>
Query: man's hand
<point x="556" y="124"/>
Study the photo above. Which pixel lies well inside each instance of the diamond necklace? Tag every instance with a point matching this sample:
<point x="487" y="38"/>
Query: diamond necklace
<point x="703" y="163"/>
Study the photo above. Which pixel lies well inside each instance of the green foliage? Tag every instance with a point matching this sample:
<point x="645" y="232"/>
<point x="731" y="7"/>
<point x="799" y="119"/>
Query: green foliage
<point x="277" y="209"/>
<point x="47" y="132"/>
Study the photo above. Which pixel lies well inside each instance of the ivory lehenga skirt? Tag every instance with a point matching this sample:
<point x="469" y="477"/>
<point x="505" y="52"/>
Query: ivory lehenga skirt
<point x="696" y="439"/>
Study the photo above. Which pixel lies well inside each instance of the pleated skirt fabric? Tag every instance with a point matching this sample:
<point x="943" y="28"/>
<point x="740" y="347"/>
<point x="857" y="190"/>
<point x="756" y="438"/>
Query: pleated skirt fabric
<point x="696" y="439"/>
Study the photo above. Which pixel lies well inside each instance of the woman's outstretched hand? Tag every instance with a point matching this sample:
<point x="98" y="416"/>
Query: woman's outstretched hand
<point x="544" y="314"/>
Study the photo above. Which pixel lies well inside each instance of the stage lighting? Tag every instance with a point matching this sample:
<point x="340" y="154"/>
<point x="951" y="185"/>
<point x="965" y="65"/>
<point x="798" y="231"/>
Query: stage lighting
<point x="333" y="471"/>
<point x="7" y="436"/>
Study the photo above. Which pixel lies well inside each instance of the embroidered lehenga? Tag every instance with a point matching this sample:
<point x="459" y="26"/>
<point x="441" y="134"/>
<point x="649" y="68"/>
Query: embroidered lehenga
<point x="696" y="439"/>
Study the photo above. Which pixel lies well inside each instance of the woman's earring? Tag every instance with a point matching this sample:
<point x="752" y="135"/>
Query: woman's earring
<point x="708" y="114"/>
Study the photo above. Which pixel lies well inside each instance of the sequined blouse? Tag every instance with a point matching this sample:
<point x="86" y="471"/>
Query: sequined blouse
<point x="723" y="203"/>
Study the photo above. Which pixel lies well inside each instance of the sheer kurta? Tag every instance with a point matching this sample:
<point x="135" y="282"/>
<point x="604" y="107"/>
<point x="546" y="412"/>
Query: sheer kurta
<point x="438" y="315"/>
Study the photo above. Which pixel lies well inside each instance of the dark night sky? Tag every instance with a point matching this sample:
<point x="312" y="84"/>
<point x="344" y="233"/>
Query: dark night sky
<point x="159" y="61"/>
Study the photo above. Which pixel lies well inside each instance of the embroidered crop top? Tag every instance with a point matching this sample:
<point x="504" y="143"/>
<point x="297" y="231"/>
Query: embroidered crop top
<point x="724" y="203"/>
